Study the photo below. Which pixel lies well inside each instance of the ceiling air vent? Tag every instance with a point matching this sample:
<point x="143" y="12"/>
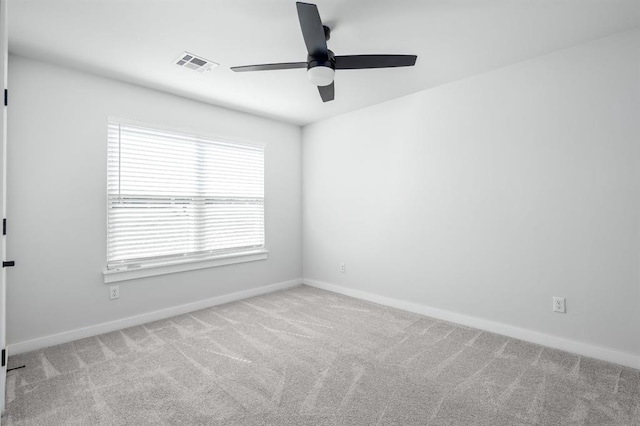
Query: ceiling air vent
<point x="196" y="63"/>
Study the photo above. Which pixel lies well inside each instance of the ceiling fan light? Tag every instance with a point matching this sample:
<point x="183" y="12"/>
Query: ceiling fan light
<point x="321" y="75"/>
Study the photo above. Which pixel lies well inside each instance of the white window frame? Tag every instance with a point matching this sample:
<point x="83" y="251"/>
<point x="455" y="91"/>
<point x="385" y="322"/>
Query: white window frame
<point x="181" y="265"/>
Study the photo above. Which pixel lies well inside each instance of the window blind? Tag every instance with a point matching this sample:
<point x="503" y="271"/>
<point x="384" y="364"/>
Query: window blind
<point x="175" y="197"/>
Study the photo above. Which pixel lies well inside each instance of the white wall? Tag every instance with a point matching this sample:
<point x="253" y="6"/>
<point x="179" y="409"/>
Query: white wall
<point x="57" y="201"/>
<point x="488" y="196"/>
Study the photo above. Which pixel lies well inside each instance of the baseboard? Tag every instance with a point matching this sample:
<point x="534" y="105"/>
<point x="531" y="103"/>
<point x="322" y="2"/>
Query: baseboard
<point x="106" y="327"/>
<point x="622" y="358"/>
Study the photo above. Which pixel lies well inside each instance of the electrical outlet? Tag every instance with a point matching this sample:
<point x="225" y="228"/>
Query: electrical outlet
<point x="559" y="305"/>
<point x="114" y="292"/>
<point x="342" y="268"/>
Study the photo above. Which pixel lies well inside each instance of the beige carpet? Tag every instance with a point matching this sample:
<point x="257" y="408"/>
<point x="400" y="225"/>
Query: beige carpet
<point x="310" y="357"/>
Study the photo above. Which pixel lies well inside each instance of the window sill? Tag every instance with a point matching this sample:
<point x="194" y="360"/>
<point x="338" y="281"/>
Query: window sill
<point x="115" y="275"/>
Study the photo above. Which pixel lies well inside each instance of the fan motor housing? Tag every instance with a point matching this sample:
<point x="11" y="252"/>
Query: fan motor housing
<point x="321" y="71"/>
<point x="330" y="62"/>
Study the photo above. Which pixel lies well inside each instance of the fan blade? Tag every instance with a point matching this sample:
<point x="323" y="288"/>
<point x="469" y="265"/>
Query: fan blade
<point x="327" y="93"/>
<point x="270" y="67"/>
<point x="356" y="62"/>
<point x="312" y="30"/>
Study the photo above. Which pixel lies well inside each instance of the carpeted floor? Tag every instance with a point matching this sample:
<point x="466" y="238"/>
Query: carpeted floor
<point x="310" y="357"/>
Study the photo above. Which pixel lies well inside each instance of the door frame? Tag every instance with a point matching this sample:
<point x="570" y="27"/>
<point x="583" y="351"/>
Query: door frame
<point x="4" y="52"/>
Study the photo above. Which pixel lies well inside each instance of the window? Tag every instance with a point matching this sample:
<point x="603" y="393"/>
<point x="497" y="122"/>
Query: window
<point x="176" y="198"/>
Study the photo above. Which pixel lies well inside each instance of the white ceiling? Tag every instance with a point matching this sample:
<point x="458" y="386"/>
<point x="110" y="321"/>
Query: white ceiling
<point x="136" y="41"/>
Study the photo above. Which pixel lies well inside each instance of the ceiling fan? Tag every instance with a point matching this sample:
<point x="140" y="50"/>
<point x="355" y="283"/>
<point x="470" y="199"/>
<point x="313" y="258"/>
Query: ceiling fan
<point x="321" y="62"/>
